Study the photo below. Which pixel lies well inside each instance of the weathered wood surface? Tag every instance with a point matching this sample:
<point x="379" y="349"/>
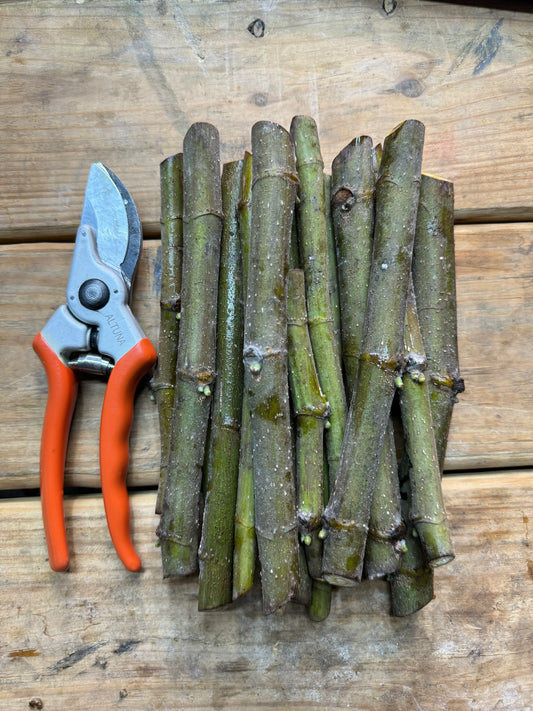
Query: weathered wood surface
<point x="121" y="83"/>
<point x="99" y="637"/>
<point x="492" y="425"/>
<point x="495" y="292"/>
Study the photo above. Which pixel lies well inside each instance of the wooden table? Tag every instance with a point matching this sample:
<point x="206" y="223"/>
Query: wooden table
<point x="121" y="82"/>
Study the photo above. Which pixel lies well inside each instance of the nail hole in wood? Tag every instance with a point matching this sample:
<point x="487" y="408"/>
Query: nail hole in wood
<point x="257" y="28"/>
<point x="389" y="6"/>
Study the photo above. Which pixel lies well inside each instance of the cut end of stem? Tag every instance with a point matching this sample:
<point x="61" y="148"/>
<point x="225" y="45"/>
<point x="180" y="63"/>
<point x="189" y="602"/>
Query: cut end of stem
<point x="382" y="558"/>
<point x="279" y="582"/>
<point x="411" y="591"/>
<point x="344" y="549"/>
<point x="436" y="542"/>
<point x="320" y="605"/>
<point x="177" y="559"/>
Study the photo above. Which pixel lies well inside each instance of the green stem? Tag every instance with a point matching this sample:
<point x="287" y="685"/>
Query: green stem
<point x="216" y="545"/>
<point x="195" y="370"/>
<point x="377" y="155"/>
<point x="310" y="409"/>
<point x="386" y="529"/>
<point x="312" y="233"/>
<point x="304" y="587"/>
<point x="433" y="271"/>
<point x="353" y="188"/>
<point x="427" y="510"/>
<point x="354" y="170"/>
<point x="434" y="283"/>
<point x="347" y="514"/>
<point x="412" y="584"/>
<point x="320" y="605"/>
<point x="171" y="181"/>
<point x="333" y="278"/>
<point x="294" y="252"/>
<point x="244" y="554"/>
<point x="265" y="361"/>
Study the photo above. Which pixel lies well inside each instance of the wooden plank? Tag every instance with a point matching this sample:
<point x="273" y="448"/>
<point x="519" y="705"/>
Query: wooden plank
<point x="101" y="637"/>
<point x="121" y="84"/>
<point x="491" y="425"/>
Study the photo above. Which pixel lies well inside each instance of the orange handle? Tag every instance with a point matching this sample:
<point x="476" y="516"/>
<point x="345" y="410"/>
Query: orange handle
<point x="62" y="391"/>
<point x="117" y="416"/>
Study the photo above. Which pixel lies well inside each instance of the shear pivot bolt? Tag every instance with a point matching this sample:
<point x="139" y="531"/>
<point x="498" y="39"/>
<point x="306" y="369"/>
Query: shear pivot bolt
<point x="94" y="293"/>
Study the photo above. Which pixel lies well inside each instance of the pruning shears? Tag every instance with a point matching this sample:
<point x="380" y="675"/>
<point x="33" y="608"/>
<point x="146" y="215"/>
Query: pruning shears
<point x="95" y="332"/>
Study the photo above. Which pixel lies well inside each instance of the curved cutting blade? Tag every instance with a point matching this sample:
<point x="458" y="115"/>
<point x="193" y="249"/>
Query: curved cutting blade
<point x="109" y="209"/>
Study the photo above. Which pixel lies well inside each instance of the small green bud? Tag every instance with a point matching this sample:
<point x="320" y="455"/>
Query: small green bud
<point x="322" y="534"/>
<point x="306" y="540"/>
<point x="398" y="382"/>
<point x="254" y="366"/>
<point x="400" y="546"/>
<point x="417" y="376"/>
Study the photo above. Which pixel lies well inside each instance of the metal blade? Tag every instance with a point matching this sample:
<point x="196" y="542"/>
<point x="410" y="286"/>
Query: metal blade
<point x="111" y="212"/>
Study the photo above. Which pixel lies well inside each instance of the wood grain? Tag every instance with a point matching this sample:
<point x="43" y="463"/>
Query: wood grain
<point x="103" y="638"/>
<point x="491" y="425"/>
<point x="90" y="81"/>
<point x="495" y="291"/>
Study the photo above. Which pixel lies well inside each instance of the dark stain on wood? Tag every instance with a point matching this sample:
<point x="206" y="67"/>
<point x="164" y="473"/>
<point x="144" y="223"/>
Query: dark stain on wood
<point x="71" y="659"/>
<point x="147" y="671"/>
<point x="474" y="654"/>
<point x="482" y="47"/>
<point x="486" y="50"/>
<point x="410" y="87"/>
<point x="161" y="7"/>
<point x="260" y="99"/>
<point x="126" y="646"/>
<point x="234" y="665"/>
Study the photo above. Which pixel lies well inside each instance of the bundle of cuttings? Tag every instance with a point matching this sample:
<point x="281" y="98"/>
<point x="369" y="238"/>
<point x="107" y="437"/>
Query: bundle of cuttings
<point x="308" y="367"/>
